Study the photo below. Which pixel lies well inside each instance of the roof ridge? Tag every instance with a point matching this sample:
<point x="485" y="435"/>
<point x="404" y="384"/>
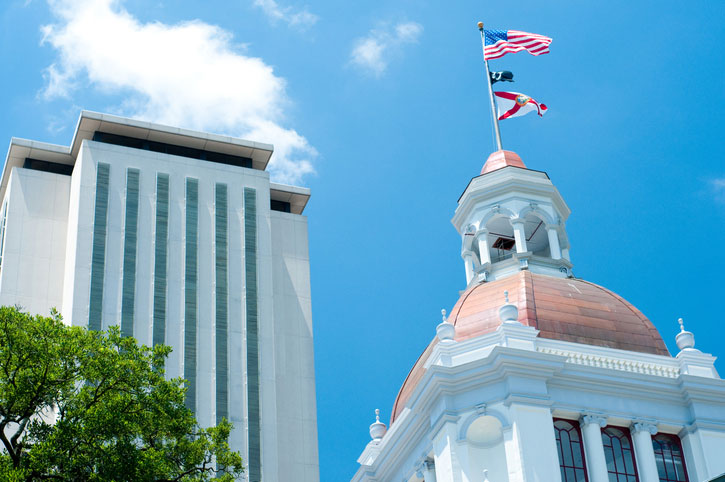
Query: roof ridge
<point x="462" y="302"/>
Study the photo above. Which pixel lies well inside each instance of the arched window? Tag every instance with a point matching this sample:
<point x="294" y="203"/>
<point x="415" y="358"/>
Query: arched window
<point x="619" y="454"/>
<point x="571" y="451"/>
<point x="670" y="461"/>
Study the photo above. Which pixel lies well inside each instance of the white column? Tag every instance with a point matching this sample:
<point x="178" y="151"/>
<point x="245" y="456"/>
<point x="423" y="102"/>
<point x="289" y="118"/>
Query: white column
<point x="483" y="254"/>
<point x="447" y="466"/>
<point x="554" y="242"/>
<point x="531" y="453"/>
<point x="519" y="235"/>
<point x="514" y="464"/>
<point x="694" y="454"/>
<point x="565" y="254"/>
<point x="591" y="426"/>
<point x="468" y="261"/>
<point x="427" y="471"/>
<point x="646" y="463"/>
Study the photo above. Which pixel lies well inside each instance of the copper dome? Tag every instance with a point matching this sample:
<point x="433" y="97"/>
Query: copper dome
<point x="560" y="308"/>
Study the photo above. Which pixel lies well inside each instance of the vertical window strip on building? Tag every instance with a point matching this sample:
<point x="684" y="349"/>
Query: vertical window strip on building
<point x="160" y="257"/>
<point x="130" y="241"/>
<point x="571" y="451"/>
<point x="619" y="455"/>
<point x="98" y="250"/>
<point x="190" y="291"/>
<point x="222" y="321"/>
<point x="250" y="270"/>
<point x="669" y="458"/>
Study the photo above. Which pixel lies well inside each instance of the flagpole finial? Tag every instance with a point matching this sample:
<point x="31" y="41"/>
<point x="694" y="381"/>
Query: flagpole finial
<point x="480" y="25"/>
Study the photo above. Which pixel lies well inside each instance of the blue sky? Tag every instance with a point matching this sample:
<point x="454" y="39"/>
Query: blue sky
<point x="381" y="108"/>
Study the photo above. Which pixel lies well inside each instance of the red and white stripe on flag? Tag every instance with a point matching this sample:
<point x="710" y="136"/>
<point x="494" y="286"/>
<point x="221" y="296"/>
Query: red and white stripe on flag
<point x="514" y="104"/>
<point x="516" y="41"/>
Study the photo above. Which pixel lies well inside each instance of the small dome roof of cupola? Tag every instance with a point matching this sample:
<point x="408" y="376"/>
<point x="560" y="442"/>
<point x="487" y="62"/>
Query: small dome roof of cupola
<point x="500" y="159"/>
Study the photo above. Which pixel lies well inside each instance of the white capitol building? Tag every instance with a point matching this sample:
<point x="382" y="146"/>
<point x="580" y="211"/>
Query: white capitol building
<point x="538" y="376"/>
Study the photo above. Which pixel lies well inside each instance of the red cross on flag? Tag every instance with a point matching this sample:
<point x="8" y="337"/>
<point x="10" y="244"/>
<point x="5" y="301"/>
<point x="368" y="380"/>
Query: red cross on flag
<point x="514" y="104"/>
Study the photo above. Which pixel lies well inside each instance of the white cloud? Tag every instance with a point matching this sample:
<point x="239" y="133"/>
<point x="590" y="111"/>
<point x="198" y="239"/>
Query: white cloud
<point x="188" y="74"/>
<point x="718" y="189"/>
<point x="301" y="19"/>
<point x="372" y="53"/>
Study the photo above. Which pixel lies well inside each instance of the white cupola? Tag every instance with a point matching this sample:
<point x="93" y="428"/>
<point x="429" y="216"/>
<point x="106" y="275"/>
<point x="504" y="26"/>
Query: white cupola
<point x="511" y="218"/>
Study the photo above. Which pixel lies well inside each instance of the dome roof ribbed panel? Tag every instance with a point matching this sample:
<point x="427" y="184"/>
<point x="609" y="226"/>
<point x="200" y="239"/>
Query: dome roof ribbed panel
<point x="564" y="309"/>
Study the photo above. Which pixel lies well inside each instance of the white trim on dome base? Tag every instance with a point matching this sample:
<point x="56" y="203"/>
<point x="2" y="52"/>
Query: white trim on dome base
<point x="559" y="268"/>
<point x="527" y="381"/>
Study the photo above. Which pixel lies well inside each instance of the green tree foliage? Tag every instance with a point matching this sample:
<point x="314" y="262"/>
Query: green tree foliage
<point x="80" y="405"/>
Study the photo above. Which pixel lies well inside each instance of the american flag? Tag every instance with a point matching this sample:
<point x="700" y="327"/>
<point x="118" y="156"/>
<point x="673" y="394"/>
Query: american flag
<point x="500" y="42"/>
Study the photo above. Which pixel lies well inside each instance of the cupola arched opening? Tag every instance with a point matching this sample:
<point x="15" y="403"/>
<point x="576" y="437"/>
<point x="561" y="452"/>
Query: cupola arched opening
<point x="537" y="238"/>
<point x="500" y="238"/>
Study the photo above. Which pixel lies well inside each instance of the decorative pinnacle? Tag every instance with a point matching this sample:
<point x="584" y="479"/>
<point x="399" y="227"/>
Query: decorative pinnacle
<point x="377" y="428"/>
<point x="685" y="340"/>
<point x="445" y="331"/>
<point x="508" y="313"/>
<point x="480" y="25"/>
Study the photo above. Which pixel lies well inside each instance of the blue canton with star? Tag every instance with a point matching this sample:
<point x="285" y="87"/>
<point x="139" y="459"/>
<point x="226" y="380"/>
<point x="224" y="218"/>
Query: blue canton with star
<point x="493" y="36"/>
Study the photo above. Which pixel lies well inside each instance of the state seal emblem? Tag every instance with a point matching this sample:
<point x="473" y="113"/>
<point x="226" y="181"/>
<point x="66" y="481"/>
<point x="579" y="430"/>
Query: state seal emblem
<point x="522" y="100"/>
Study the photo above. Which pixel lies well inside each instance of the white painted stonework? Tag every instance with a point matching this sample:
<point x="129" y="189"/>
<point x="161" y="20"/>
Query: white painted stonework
<point x="485" y="407"/>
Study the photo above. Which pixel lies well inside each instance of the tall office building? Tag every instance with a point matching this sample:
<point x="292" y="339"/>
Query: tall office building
<point x="180" y="238"/>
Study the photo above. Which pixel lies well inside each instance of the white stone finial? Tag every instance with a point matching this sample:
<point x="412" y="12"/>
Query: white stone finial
<point x="378" y="428"/>
<point x="685" y="340"/>
<point x="445" y="331"/>
<point x="508" y="313"/>
<point x="485" y="475"/>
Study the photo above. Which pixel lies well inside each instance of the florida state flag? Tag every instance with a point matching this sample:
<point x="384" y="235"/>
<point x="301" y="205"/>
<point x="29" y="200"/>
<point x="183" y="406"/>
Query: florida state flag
<point x="514" y="104"/>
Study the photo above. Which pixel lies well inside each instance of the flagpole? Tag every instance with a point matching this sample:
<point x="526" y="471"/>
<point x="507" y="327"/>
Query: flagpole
<point x="490" y="89"/>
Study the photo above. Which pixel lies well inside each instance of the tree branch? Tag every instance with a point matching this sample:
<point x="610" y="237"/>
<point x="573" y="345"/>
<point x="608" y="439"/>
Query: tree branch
<point x="19" y="431"/>
<point x="9" y="447"/>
